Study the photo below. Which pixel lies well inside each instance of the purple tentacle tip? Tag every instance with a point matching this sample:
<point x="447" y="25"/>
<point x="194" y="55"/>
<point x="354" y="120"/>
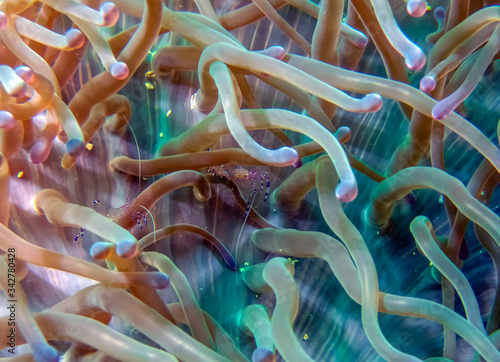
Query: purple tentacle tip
<point x="39" y="152"/>
<point x="298" y="164"/>
<point x="439" y="13"/>
<point x="427" y="84"/>
<point x="464" y="252"/>
<point x="262" y="355"/>
<point x="360" y="41"/>
<point x="127" y="249"/>
<point x="411" y="198"/>
<point x="6" y="120"/>
<point x="158" y="280"/>
<point x="441" y="110"/>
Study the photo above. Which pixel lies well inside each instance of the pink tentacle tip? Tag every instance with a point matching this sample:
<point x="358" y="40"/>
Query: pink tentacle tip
<point x="119" y="70"/>
<point x="40" y="151"/>
<point x="110" y="13"/>
<point x="427" y="84"/>
<point x="347" y="190"/>
<point x="3" y="20"/>
<point x="75" y="39"/>
<point x="360" y="41"/>
<point x="6" y="120"/>
<point x="416" y="8"/>
<point x="25" y="73"/>
<point x="371" y="103"/>
<point x="415" y="58"/>
<point x="442" y="109"/>
<point x="277" y="52"/>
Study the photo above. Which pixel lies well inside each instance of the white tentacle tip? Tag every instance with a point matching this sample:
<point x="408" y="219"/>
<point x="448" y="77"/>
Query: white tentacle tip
<point x="347" y="190"/>
<point x="119" y="70"/>
<point x="127" y="249"/>
<point x="415" y="58"/>
<point x="284" y="156"/>
<point x="75" y="39"/>
<point x="372" y="102"/>
<point x="12" y="83"/>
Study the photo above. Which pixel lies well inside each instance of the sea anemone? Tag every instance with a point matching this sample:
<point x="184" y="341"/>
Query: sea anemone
<point x="249" y="180"/>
